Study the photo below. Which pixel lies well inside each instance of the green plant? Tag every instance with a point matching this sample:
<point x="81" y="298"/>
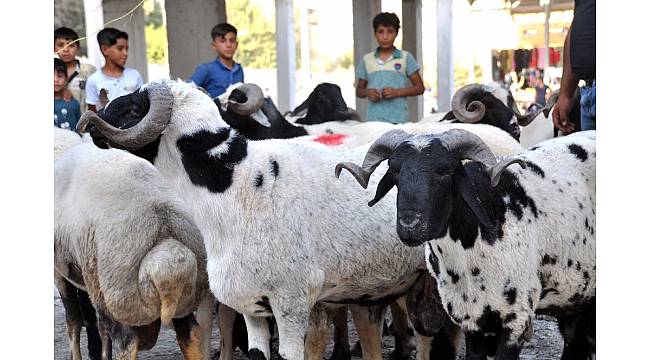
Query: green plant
<point x="156" y="44"/>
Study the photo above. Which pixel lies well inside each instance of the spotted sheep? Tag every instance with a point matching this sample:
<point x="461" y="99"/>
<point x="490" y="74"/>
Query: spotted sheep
<point x="275" y="222"/>
<point x="123" y="237"/>
<point x="503" y="243"/>
<point x="263" y="121"/>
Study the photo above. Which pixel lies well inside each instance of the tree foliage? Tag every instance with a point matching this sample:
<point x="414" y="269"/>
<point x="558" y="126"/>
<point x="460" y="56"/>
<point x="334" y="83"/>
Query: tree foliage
<point x="255" y="32"/>
<point x="156" y="44"/>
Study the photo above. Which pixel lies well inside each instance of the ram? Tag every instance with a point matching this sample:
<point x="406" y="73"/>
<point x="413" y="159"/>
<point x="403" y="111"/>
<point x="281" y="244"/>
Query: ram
<point x="504" y="244"/>
<point x="123" y="236"/>
<point x="281" y="233"/>
<point x="259" y="119"/>
<point x="325" y="103"/>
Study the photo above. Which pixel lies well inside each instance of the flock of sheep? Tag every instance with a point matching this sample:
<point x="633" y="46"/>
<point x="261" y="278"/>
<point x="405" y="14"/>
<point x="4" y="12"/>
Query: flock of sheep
<point x="181" y="202"/>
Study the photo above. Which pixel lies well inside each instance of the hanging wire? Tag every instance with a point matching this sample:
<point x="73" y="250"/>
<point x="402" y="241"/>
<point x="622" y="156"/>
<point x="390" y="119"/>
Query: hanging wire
<point x="103" y="26"/>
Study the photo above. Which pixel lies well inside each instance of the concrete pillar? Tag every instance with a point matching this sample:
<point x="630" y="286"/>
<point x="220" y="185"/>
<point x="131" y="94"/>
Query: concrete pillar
<point x="364" y="38"/>
<point x="412" y="42"/>
<point x="305" y="46"/>
<point x="445" y="53"/>
<point x="285" y="45"/>
<point x="132" y="25"/>
<point x="189" y="23"/>
<point x="94" y="16"/>
<point x="547" y="15"/>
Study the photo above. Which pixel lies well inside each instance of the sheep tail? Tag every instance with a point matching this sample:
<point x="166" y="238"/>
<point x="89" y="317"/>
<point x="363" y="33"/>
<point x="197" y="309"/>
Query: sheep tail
<point x="168" y="278"/>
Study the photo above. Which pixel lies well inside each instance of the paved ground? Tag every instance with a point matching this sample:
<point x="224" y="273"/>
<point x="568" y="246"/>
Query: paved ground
<point x="545" y="345"/>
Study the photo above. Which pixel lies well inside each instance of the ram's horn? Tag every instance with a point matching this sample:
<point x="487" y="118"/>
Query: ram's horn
<point x="470" y="146"/>
<point x="468" y="113"/>
<point x="255" y="100"/>
<point x="379" y="151"/>
<point x="147" y="130"/>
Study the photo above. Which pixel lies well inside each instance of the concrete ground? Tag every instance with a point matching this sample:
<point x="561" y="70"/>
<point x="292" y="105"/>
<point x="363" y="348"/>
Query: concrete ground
<point x="546" y="343"/>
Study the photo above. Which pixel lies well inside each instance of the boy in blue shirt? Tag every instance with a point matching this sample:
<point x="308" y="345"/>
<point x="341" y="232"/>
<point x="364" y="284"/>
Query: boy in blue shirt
<point x="66" y="113"/>
<point x="216" y="76"/>
<point x="383" y="75"/>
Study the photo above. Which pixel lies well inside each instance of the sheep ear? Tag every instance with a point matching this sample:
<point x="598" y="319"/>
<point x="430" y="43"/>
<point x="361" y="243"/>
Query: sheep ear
<point x="260" y="118"/>
<point x="385" y="184"/>
<point x="471" y="197"/>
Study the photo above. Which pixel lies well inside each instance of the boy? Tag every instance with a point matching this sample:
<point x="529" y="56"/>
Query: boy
<point x="216" y="76"/>
<point x="383" y="74"/>
<point x="116" y="79"/>
<point x="78" y="72"/>
<point x="66" y="112"/>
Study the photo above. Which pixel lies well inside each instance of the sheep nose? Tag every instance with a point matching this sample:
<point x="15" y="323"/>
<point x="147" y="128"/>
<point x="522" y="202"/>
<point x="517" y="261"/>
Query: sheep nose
<point x="408" y="219"/>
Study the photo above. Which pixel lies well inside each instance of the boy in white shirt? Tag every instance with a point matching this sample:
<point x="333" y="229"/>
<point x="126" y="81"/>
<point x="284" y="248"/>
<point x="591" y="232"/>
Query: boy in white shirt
<point x="114" y="77"/>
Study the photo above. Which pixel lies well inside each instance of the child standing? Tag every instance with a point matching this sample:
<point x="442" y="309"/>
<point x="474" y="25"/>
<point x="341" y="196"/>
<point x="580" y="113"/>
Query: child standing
<point x="216" y="76"/>
<point x="78" y="72"/>
<point x="116" y="79"/>
<point x="383" y="75"/>
<point x="66" y="112"/>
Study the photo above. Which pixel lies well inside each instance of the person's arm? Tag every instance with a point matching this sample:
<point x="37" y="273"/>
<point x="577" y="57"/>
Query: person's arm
<point x="417" y="88"/>
<point x="363" y="91"/>
<point x="92" y="94"/>
<point x="139" y="81"/>
<point x="568" y="86"/>
<point x="362" y="84"/>
<point x="199" y="76"/>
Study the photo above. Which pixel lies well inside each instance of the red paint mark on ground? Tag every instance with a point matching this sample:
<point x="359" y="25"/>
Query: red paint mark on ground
<point x="331" y="139"/>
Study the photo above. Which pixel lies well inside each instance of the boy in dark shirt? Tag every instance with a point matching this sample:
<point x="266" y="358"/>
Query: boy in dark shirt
<point x="66" y="113"/>
<point x="216" y="76"/>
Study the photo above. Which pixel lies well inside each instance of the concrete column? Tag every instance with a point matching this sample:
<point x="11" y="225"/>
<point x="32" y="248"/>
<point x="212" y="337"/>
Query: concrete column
<point x="132" y="25"/>
<point x="189" y="23"/>
<point x="305" y="53"/>
<point x="412" y="42"/>
<point x="285" y="45"/>
<point x="445" y="53"/>
<point x="364" y="38"/>
<point x="94" y="16"/>
<point x="547" y="15"/>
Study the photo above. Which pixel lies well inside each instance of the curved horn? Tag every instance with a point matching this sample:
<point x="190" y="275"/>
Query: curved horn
<point x="255" y="100"/>
<point x="147" y="130"/>
<point x="472" y="147"/>
<point x="468" y="146"/>
<point x="496" y="170"/>
<point x="468" y="113"/>
<point x="379" y="151"/>
<point x="528" y="117"/>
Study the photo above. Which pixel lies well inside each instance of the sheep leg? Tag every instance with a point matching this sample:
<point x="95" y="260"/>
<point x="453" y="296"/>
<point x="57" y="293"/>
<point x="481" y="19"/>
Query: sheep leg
<point x="292" y="319"/>
<point x="423" y="347"/>
<point x="204" y="316"/>
<point x="73" y="316"/>
<point x="579" y="333"/>
<point x="189" y="336"/>
<point x="511" y="341"/>
<point x="475" y="346"/>
<point x="124" y="337"/>
<point x="402" y="330"/>
<point x="341" y="340"/>
<point x="226" y="325"/>
<point x="441" y="346"/>
<point x="259" y="338"/>
<point x="369" y="321"/>
<point x="318" y="333"/>
<point x="90" y="322"/>
<point x="107" y="343"/>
